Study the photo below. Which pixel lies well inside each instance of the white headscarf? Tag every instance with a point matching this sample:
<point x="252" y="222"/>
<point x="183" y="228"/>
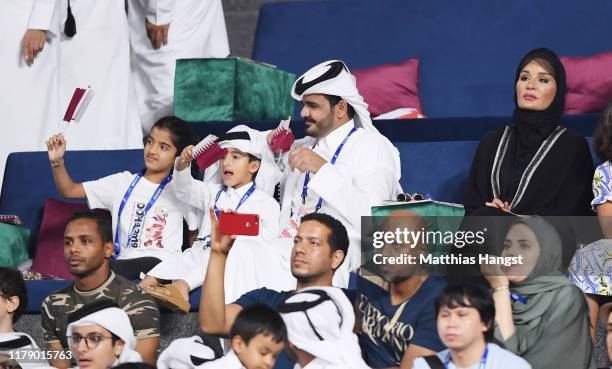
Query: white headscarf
<point x="117" y="322"/>
<point x="267" y="176"/>
<point x="324" y="330"/>
<point x="10" y="341"/>
<point x="182" y="351"/>
<point x="334" y="78"/>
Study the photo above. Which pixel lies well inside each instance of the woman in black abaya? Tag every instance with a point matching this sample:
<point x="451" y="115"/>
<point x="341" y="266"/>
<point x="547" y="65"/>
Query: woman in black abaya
<point x="533" y="166"/>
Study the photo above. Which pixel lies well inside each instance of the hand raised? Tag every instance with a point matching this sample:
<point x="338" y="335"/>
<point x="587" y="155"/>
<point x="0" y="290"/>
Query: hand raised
<point x="304" y="159"/>
<point x="56" y="147"/>
<point x="494" y="275"/>
<point x="186" y="158"/>
<point x="219" y="243"/>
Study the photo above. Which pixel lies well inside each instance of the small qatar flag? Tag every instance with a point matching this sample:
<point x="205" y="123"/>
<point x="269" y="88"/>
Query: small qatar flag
<point x="78" y="104"/>
<point x="207" y="151"/>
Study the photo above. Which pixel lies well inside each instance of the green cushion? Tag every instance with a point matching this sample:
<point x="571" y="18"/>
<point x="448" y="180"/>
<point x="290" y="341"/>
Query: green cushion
<point x="14" y="241"/>
<point x="231" y="89"/>
<point x="439" y="216"/>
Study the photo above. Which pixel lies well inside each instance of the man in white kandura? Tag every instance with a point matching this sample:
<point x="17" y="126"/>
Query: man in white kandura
<point x="343" y="167"/>
<point x="28" y="71"/>
<point x="94" y="51"/>
<point x="163" y="31"/>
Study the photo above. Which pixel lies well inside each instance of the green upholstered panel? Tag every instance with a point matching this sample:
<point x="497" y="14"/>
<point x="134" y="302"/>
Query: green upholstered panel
<point x="231" y="89"/>
<point x="14" y="241"/>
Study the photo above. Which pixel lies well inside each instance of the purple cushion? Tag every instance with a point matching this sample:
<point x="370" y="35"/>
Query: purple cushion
<point x="389" y="87"/>
<point x="589" y="83"/>
<point x="49" y="258"/>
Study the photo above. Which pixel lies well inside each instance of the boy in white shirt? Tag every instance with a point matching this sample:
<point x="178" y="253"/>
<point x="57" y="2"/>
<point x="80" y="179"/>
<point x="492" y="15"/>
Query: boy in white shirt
<point x="232" y="186"/>
<point x="13" y="301"/>
<point x="466" y="315"/>
<point x="257" y="337"/>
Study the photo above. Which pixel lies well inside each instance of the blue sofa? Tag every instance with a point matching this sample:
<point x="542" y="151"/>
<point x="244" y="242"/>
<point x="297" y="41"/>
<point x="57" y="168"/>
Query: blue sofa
<point x="468" y="50"/>
<point x="436" y="155"/>
<point x="468" y="54"/>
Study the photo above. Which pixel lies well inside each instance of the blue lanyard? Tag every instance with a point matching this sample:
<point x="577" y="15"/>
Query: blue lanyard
<point x="242" y="200"/>
<point x="517" y="297"/>
<point x="333" y="161"/>
<point x="483" y="359"/>
<point x="126" y="196"/>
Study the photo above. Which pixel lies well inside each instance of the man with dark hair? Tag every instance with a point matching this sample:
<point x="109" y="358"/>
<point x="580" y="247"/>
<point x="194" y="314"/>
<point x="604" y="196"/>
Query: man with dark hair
<point x="13" y="302"/>
<point x="466" y="317"/>
<point x="343" y="166"/>
<point x="334" y="100"/>
<point x="398" y="323"/>
<point x="313" y="262"/>
<point x="13" y="298"/>
<point x="88" y="247"/>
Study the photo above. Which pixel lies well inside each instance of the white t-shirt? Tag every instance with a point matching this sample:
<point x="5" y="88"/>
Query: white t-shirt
<point x="160" y="233"/>
<point x="498" y="358"/>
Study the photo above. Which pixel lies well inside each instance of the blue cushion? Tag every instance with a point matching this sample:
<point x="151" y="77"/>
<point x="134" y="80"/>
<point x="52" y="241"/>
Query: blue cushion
<point x="468" y="50"/>
<point x="28" y="181"/>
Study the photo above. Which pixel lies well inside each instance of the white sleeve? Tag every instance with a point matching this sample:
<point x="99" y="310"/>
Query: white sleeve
<point x="101" y="192"/>
<point x="192" y="215"/>
<point x="420" y="363"/>
<point x="269" y="217"/>
<point x="373" y="181"/>
<point x="159" y="11"/>
<point x="41" y="14"/>
<point x="191" y="191"/>
<point x="268" y="155"/>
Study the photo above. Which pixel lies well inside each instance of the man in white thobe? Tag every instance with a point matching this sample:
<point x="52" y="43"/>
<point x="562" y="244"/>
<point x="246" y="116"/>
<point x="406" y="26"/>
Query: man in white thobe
<point x="343" y="167"/>
<point x="97" y="56"/>
<point x="162" y="31"/>
<point x="320" y="323"/>
<point x="29" y="104"/>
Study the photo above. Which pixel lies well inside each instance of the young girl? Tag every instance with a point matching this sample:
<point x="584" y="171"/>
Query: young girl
<point x="147" y="217"/>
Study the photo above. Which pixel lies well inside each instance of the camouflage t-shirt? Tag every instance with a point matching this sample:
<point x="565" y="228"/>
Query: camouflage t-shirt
<point x="139" y="306"/>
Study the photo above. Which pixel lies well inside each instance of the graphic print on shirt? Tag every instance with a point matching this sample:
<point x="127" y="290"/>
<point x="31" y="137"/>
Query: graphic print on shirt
<point x="376" y="326"/>
<point x="154" y="233"/>
<point x="136" y="224"/>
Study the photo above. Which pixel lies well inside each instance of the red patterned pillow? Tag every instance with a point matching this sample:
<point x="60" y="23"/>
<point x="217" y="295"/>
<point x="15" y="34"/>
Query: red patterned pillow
<point x="589" y="83"/>
<point x="390" y="87"/>
<point x="49" y="258"/>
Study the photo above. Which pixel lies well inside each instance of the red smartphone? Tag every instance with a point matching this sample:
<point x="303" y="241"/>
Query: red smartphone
<point x="239" y="224"/>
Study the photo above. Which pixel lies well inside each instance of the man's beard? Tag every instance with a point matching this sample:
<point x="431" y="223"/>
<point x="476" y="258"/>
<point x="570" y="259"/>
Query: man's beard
<point x="321" y="128"/>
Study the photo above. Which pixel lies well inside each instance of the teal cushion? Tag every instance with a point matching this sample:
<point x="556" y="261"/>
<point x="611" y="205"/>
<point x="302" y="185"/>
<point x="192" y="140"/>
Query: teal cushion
<point x="231" y="89"/>
<point x="14" y="241"/>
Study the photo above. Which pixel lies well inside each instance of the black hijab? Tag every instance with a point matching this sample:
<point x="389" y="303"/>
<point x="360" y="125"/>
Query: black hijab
<point x="530" y="127"/>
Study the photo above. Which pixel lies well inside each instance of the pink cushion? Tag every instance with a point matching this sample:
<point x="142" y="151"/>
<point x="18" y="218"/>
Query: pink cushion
<point x="589" y="83"/>
<point x="389" y="87"/>
<point x="49" y="258"/>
